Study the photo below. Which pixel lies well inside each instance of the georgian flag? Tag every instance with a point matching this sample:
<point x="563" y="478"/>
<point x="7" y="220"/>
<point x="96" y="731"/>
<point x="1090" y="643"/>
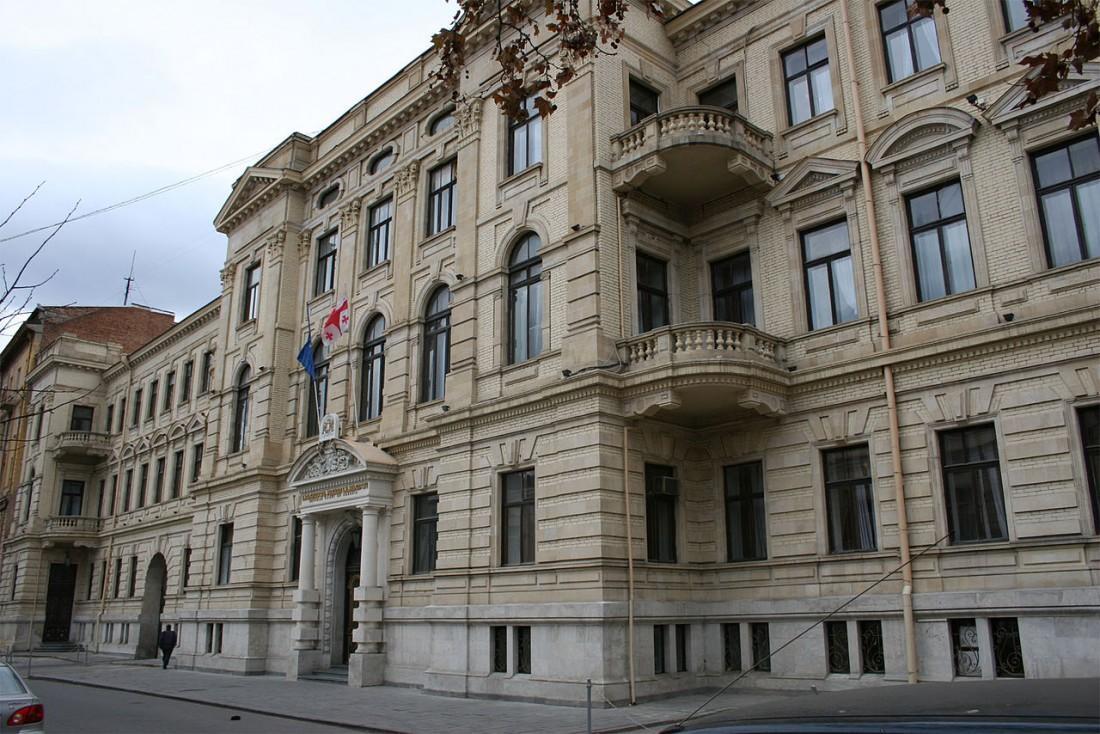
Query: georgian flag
<point x="336" y="324"/>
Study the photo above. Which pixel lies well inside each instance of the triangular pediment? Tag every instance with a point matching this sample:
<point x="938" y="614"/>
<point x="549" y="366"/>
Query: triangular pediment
<point x="810" y="176"/>
<point x="338" y="459"/>
<point x="254" y="182"/>
<point x="1006" y="108"/>
<point x="920" y="132"/>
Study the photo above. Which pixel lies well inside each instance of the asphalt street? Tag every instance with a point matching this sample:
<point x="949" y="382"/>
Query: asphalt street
<point x="75" y="709"/>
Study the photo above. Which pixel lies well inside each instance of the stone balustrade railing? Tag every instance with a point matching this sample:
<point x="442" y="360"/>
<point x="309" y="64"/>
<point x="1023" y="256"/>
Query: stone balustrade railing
<point x="682" y="124"/>
<point x="701" y="340"/>
<point x="73" y="524"/>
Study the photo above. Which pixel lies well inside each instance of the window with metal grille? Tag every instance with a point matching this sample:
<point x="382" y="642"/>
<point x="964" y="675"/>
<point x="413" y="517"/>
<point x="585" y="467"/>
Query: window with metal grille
<point x="660" y="648"/>
<point x="731" y="283"/>
<point x="525" y="300"/>
<point x="81" y="418"/>
<point x="941" y="243"/>
<point x="380" y="221"/>
<point x="425" y="522"/>
<point x="746" y="520"/>
<point x="644" y="101"/>
<point x="525" y="139"/>
<point x="662" y="493"/>
<point x="972" y="485"/>
<point x="723" y="94"/>
<point x="731" y="646"/>
<point x="910" y="41"/>
<point x="849" y="499"/>
<point x="683" y="632"/>
<point x="518" y="517"/>
<point x="830" y="280"/>
<point x="442" y="188"/>
<point x="498" y="636"/>
<point x="871" y="653"/>
<point x="523" y="649"/>
<point x="652" y="275"/>
<point x="1008" y="654"/>
<point x="1068" y="186"/>
<point x="836" y="647"/>
<point x="225" y="553"/>
<point x="761" y="647"/>
<point x="324" y="274"/>
<point x="1088" y="419"/>
<point x="809" y="85"/>
<point x="964" y="647"/>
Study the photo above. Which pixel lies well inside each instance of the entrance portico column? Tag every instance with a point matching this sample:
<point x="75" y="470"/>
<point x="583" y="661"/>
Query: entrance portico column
<point x="305" y="655"/>
<point x="366" y="665"/>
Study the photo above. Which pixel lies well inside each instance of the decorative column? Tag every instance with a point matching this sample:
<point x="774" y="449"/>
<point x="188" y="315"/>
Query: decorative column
<point x="366" y="666"/>
<point x="305" y="654"/>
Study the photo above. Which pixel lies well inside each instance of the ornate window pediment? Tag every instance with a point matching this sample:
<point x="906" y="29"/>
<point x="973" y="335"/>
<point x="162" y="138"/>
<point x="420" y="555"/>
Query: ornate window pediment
<point x="922" y="133"/>
<point x="1006" y="109"/>
<point x="338" y="459"/>
<point x="814" y="176"/>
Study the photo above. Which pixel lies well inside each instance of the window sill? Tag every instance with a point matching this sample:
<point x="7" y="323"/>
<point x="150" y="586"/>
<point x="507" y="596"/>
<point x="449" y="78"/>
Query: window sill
<point x="320" y="298"/>
<point x="441" y="234"/>
<point x="817" y="121"/>
<point x="381" y="267"/>
<point x="519" y="175"/>
<point x="914" y="78"/>
<point x="247" y="324"/>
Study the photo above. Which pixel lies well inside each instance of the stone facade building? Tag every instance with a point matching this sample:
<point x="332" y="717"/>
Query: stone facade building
<point x="782" y="297"/>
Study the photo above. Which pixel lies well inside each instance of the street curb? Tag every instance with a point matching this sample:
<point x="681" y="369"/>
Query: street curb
<point x="248" y="709"/>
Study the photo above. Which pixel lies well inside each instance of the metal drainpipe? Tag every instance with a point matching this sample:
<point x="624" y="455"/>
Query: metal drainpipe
<point x="887" y="370"/>
<point x="629" y="564"/>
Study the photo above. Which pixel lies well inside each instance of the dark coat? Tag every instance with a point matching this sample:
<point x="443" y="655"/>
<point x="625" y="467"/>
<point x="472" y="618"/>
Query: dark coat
<point x="167" y="640"/>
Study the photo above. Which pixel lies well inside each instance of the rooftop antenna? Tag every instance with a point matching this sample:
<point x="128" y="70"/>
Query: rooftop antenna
<point x="129" y="281"/>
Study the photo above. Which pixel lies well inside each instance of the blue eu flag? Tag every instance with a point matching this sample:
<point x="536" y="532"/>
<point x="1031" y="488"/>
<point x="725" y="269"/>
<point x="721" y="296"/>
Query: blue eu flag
<point x="305" y="356"/>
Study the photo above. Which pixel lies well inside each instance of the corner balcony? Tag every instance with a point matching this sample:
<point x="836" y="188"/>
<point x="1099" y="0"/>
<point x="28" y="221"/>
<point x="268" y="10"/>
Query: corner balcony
<point x="704" y="373"/>
<point x="74" y="529"/>
<point x="692" y="155"/>
<point x="82" y="447"/>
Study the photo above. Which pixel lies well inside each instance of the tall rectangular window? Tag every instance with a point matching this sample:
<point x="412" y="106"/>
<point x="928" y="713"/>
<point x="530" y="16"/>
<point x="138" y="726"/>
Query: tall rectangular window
<point x="809" y="85"/>
<point x="82" y="418"/>
<point x="830" y="280"/>
<point x="518" y="517"/>
<point x="849" y="499"/>
<point x="177" y="474"/>
<point x="498" y="641"/>
<point x="169" y="391"/>
<point x="158" y="480"/>
<point x="731" y="646"/>
<point x="746" y="521"/>
<point x="109" y="424"/>
<point x="151" y="406"/>
<point x="324" y="274"/>
<point x="761" y="647"/>
<point x="1088" y="419"/>
<point x="207" y="371"/>
<point x="425" y="520"/>
<point x="644" y="101"/>
<point x="118" y="577"/>
<point x="103" y="579"/>
<point x="127" y="488"/>
<point x="143" y="484"/>
<point x="525" y="139"/>
<point x="652" y="292"/>
<point x="683" y="632"/>
<point x="662" y="494"/>
<point x="972" y="485"/>
<point x="102" y="498"/>
<point x="132" y="582"/>
<point x="523" y="649"/>
<point x="660" y="648"/>
<point x="185" y="384"/>
<point x="250" y="297"/>
<point x="723" y="94"/>
<point x="872" y="654"/>
<point x="72" y="497"/>
<point x="964" y="647"/>
<point x="836" y="647"/>
<point x="196" y="462"/>
<point x="14" y="580"/>
<point x="296" y="549"/>
<point x="441" y="198"/>
<point x="910" y="41"/>
<point x="121" y="414"/>
<point x="1015" y="14"/>
<point x="1008" y="654"/>
<point x="941" y="244"/>
<point x="731" y="283"/>
<point x="378" y="234"/>
<point x="135" y="409"/>
<point x="185" y="568"/>
<point x="1068" y="185"/>
<point x="225" y="553"/>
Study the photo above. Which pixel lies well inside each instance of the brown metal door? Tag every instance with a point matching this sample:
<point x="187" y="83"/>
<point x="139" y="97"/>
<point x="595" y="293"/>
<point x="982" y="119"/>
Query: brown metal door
<point x="59" y="602"/>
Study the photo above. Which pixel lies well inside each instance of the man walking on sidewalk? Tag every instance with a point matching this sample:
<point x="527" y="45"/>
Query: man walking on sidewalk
<point x="167" y="643"/>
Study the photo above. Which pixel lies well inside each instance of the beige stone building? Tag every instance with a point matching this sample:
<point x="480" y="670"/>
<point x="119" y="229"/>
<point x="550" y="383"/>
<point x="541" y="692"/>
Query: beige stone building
<point x="782" y="296"/>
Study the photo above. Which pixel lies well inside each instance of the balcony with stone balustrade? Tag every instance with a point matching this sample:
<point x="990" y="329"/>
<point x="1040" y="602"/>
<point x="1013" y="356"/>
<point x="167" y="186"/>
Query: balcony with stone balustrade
<point x="82" y="447"/>
<point x="703" y="373"/>
<point x="692" y="155"/>
<point x="76" y="530"/>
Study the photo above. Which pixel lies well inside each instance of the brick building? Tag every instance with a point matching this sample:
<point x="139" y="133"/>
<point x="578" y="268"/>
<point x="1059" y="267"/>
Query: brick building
<point x="783" y="296"/>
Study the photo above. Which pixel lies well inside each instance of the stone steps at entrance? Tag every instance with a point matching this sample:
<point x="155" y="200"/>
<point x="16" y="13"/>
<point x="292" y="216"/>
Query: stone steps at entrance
<point x="59" y="647"/>
<point x="336" y="674"/>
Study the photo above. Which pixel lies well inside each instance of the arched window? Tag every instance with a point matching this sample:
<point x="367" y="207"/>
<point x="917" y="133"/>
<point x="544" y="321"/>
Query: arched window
<point x="328" y="196"/>
<point x="436" y="345"/>
<point x="374" y="370"/>
<point x="525" y="300"/>
<point x="442" y="123"/>
<point x="240" y="409"/>
<point x="382" y="161"/>
<point x="318" y="390"/>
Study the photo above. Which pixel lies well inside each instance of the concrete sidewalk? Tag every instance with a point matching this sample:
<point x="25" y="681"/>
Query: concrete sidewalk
<point x="378" y="709"/>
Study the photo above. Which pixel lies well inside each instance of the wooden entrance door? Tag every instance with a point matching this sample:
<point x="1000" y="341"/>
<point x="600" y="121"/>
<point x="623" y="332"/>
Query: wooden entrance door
<point x="59" y="602"/>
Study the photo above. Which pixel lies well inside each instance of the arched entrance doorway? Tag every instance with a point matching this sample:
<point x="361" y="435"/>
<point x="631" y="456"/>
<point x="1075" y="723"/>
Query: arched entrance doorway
<point x="152" y="604"/>
<point x="346" y="580"/>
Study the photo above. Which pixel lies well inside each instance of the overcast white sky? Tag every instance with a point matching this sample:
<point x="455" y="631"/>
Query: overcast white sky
<point x="111" y="99"/>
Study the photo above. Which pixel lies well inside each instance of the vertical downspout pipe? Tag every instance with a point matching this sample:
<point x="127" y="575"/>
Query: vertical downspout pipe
<point x="629" y="564"/>
<point x="887" y="370"/>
